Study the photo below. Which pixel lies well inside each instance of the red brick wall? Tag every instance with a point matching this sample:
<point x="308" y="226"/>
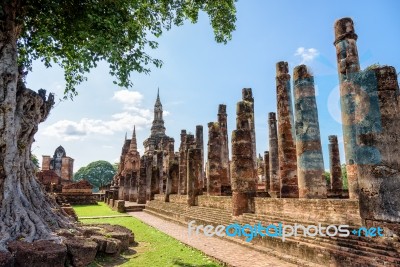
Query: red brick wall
<point x="334" y="211"/>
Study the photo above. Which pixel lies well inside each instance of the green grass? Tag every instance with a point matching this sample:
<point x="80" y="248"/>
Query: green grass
<point x="154" y="247"/>
<point x="94" y="210"/>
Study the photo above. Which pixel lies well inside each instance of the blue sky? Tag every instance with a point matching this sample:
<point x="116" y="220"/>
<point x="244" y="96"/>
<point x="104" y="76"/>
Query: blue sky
<point x="198" y="74"/>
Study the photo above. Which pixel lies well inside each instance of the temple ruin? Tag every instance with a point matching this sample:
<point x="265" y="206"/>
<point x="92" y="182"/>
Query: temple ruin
<point x="179" y="185"/>
<point x="56" y="171"/>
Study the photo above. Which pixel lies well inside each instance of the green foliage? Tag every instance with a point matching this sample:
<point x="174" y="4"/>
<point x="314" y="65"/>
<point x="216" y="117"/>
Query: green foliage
<point x="327" y="176"/>
<point x="35" y="161"/>
<point x="98" y="173"/>
<point x="154" y="247"/>
<point x="344" y="177"/>
<point x="116" y="165"/>
<point x="77" y="34"/>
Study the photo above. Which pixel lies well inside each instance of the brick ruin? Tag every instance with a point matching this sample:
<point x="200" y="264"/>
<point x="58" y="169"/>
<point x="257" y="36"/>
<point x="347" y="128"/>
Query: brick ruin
<point x="174" y="184"/>
<point x="56" y="171"/>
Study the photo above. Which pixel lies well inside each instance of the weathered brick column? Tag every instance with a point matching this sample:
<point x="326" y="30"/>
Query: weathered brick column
<point x="310" y="162"/>
<point x="247" y="95"/>
<point x="214" y="158"/>
<point x="348" y="67"/>
<point x="133" y="191"/>
<point x="160" y="176"/>
<point x="193" y="174"/>
<point x="141" y="199"/>
<point x="334" y="162"/>
<point x="150" y="183"/>
<point x="200" y="145"/>
<point x="286" y="135"/>
<point x="223" y="127"/>
<point x="182" y="164"/>
<point x="378" y="123"/>
<point x="244" y="173"/>
<point x="266" y="171"/>
<point x="275" y="184"/>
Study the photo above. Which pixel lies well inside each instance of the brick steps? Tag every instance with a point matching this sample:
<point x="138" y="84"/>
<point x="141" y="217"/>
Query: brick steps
<point x="351" y="241"/>
<point x="354" y="250"/>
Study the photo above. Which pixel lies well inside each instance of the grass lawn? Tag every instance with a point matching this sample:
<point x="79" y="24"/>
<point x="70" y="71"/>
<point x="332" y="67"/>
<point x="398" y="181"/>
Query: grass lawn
<point x="94" y="210"/>
<point x="154" y="249"/>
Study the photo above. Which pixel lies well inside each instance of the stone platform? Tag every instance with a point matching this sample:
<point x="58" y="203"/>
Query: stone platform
<point x="303" y="251"/>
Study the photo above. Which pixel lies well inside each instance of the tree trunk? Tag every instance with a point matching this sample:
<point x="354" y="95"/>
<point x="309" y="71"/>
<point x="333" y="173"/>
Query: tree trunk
<point x="27" y="212"/>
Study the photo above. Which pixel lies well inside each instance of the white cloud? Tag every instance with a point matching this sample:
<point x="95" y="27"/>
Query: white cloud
<point x="70" y="130"/>
<point x="132" y="115"/>
<point x="306" y="54"/>
<point x="128" y="97"/>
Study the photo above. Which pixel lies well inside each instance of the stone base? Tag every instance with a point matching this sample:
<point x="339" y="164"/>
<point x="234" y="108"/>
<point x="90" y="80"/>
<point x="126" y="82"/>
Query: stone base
<point x="41" y="253"/>
<point x="76" y="199"/>
<point x="242" y="203"/>
<point x="338" y="193"/>
<point x="274" y="194"/>
<point x="390" y="229"/>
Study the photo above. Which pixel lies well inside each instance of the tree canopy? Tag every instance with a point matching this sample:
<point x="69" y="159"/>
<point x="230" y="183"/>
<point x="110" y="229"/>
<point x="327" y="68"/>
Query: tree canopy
<point x="77" y="34"/>
<point x="98" y="173"/>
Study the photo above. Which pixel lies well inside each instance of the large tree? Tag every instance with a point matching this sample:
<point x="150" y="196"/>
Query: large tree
<point x="75" y="34"/>
<point x="98" y="173"/>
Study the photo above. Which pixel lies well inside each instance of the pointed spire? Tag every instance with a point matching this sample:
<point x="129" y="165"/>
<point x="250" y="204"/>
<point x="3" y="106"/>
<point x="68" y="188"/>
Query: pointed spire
<point x="133" y="145"/>
<point x="158" y="101"/>
<point x="126" y="135"/>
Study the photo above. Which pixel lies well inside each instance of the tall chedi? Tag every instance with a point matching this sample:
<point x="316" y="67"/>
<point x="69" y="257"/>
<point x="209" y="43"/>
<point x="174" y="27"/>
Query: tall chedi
<point x="158" y="123"/>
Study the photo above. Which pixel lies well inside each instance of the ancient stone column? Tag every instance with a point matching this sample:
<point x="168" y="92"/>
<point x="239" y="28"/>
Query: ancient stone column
<point x="223" y="127"/>
<point x="127" y="187"/>
<point x="150" y="183"/>
<point x="174" y="174"/>
<point x="335" y="167"/>
<point x="275" y="184"/>
<point x="378" y="138"/>
<point x="200" y="145"/>
<point x="244" y="180"/>
<point x="348" y="67"/>
<point x="310" y="162"/>
<point x="286" y="135"/>
<point x="247" y="95"/>
<point x="193" y="174"/>
<point x="214" y="159"/>
<point x="266" y="171"/>
<point x="182" y="164"/>
<point x="133" y="191"/>
<point x="160" y="169"/>
<point x="141" y="199"/>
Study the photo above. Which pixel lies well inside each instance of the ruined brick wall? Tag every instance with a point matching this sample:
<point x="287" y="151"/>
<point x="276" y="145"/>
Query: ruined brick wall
<point x="46" y="163"/>
<point x="218" y="202"/>
<point x="67" y="168"/>
<point x="332" y="211"/>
